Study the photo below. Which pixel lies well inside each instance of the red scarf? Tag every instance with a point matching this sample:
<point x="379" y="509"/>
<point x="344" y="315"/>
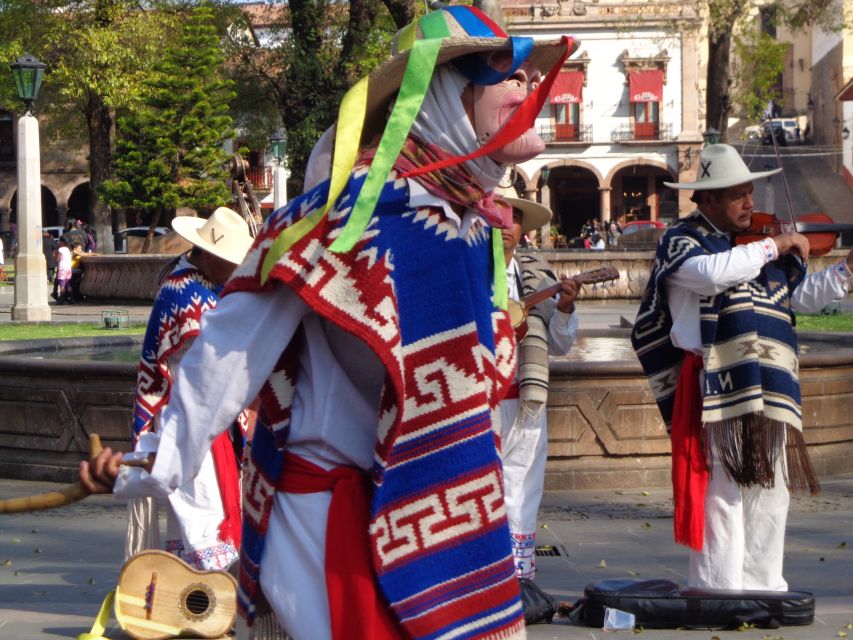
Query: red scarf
<point x="455" y="183"/>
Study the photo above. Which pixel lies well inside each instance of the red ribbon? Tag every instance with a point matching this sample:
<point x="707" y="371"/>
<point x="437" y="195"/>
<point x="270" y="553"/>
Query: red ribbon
<point x="358" y="610"/>
<point x="228" y="480"/>
<point x="689" y="470"/>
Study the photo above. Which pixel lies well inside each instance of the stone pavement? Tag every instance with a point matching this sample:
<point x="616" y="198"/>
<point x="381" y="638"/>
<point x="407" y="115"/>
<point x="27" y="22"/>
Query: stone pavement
<point x="56" y="566"/>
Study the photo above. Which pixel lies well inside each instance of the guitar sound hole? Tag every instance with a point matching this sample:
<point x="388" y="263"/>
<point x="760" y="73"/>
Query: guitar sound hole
<point x="197" y="602"/>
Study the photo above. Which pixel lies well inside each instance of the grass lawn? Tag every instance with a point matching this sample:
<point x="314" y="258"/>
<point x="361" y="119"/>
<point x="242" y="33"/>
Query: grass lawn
<point x="837" y="322"/>
<point x="67" y="330"/>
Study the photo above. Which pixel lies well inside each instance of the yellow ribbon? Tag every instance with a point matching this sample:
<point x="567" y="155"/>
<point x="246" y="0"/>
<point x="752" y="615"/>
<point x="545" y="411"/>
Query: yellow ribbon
<point x="100" y="624"/>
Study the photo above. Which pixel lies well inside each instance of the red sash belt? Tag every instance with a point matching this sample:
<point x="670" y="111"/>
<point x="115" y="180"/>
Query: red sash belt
<point x="512" y="392"/>
<point x="689" y="470"/>
<point x="357" y="609"/>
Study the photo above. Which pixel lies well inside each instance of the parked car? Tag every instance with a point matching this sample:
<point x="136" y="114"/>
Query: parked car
<point x="120" y="238"/>
<point x="638" y="225"/>
<point x="786" y="131"/>
<point x="641" y="234"/>
<point x="56" y="232"/>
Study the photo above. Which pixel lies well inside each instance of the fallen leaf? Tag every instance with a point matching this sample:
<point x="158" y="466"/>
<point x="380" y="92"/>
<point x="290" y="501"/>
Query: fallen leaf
<point x="91" y="581"/>
<point x="36" y="550"/>
<point x="746" y="626"/>
<point x="602" y="565"/>
<point x="636" y="630"/>
<point x="646" y="525"/>
<point x="644" y="493"/>
<point x="633" y="573"/>
<point x="769" y="637"/>
<point x="34" y="530"/>
<point x="16" y="541"/>
<point x="822" y="559"/>
<point x="842" y="545"/>
<point x="841" y="634"/>
<point x="6" y="563"/>
<point x="849" y="625"/>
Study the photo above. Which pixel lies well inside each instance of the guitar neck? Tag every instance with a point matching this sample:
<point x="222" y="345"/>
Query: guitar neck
<point x="538" y="296"/>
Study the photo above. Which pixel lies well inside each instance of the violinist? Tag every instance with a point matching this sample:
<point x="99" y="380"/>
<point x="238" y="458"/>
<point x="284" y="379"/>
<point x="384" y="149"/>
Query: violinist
<point x="715" y="337"/>
<point x="551" y="328"/>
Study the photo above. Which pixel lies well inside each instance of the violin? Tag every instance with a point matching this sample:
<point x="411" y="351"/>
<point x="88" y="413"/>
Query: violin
<point x="519" y="310"/>
<point x="819" y="228"/>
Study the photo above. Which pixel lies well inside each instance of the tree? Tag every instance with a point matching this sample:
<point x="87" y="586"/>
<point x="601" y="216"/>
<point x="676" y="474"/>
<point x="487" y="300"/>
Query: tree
<point x="300" y="81"/>
<point x="170" y="149"/>
<point x="725" y="17"/>
<point x="756" y="75"/>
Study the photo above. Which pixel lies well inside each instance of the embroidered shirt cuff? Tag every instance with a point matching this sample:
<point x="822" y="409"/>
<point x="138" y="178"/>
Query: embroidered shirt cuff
<point x="842" y="272"/>
<point x="769" y="249"/>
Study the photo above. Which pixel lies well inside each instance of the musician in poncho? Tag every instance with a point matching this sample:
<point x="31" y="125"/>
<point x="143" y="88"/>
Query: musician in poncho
<point x="715" y="336"/>
<point x="203" y="514"/>
<point x="551" y="327"/>
<point x="370" y="315"/>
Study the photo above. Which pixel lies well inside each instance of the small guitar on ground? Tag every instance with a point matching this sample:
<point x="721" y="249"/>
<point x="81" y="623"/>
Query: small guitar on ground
<point x="160" y="596"/>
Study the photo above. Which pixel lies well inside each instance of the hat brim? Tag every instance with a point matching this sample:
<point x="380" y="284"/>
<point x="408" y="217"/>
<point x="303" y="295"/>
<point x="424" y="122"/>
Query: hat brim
<point x="722" y="183"/>
<point x="188" y="227"/>
<point x="385" y="80"/>
<point x="534" y="215"/>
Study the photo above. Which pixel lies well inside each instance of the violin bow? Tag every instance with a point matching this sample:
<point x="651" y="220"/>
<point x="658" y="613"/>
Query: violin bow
<point x="784" y="177"/>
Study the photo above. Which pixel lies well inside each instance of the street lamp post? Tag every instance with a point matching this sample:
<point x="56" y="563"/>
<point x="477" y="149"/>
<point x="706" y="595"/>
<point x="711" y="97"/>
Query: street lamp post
<point x="30" y="266"/>
<point x="278" y="142"/>
<point x="712" y="136"/>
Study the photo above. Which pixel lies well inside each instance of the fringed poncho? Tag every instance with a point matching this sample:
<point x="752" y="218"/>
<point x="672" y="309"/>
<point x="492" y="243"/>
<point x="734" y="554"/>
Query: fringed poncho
<point x="751" y="390"/>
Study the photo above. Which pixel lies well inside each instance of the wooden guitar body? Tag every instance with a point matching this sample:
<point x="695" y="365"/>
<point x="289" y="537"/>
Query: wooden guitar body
<point x="160" y="596"/>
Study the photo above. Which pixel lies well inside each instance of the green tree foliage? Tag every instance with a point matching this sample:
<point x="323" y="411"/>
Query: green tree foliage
<point x="169" y="149"/>
<point x="726" y="17"/>
<point x="756" y="75"/>
<point x="299" y="81"/>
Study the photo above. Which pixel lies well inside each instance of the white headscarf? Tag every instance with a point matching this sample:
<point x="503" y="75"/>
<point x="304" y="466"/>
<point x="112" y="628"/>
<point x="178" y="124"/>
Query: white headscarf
<point x="441" y="121"/>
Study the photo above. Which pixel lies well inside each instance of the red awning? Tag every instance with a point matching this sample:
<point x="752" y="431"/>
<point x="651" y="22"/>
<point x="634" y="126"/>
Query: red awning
<point x="846" y="92"/>
<point x="645" y="86"/>
<point x="568" y="87"/>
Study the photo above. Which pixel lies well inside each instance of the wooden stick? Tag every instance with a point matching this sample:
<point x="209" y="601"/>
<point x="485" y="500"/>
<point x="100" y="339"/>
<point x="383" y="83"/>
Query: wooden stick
<point x="52" y="499"/>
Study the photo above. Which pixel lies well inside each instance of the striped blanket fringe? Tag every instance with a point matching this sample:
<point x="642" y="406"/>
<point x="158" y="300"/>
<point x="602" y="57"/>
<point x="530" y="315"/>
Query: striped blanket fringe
<point x="143" y="526"/>
<point x="749" y="445"/>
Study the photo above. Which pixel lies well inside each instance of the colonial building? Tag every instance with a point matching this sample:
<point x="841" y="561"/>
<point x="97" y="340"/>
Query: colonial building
<point x="624" y="114"/>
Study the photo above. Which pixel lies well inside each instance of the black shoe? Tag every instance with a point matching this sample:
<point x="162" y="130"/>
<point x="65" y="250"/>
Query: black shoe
<point x="54" y="296"/>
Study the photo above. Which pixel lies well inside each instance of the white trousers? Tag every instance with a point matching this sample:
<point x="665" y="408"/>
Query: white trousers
<point x="744" y="535"/>
<point x="524" y="450"/>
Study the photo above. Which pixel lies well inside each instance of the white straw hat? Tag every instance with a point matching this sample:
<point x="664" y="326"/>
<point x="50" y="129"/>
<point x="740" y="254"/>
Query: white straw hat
<point x="533" y="214"/>
<point x="720" y="167"/>
<point x="225" y="234"/>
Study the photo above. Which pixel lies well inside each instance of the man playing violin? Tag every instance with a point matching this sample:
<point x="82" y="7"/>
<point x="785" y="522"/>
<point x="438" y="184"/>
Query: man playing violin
<point x="551" y="329"/>
<point x="715" y="337"/>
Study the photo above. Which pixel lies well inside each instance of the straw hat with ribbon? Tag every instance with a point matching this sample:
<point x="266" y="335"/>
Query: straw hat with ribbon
<point x="451" y="33"/>
<point x="533" y="215"/>
<point x="720" y="167"/>
<point x="225" y="234"/>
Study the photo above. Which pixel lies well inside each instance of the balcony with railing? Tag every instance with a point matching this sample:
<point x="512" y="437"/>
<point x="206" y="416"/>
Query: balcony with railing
<point x="558" y="133"/>
<point x="643" y="132"/>
<point x="260" y="177"/>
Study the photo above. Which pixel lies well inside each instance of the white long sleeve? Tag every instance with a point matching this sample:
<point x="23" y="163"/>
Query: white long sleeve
<point x="562" y="327"/>
<point x="214" y="382"/>
<point x="711" y="274"/>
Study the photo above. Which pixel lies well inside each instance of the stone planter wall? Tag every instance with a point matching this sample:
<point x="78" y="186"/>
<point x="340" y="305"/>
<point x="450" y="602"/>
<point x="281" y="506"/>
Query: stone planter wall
<point x="604" y="427"/>
<point x="122" y="277"/>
